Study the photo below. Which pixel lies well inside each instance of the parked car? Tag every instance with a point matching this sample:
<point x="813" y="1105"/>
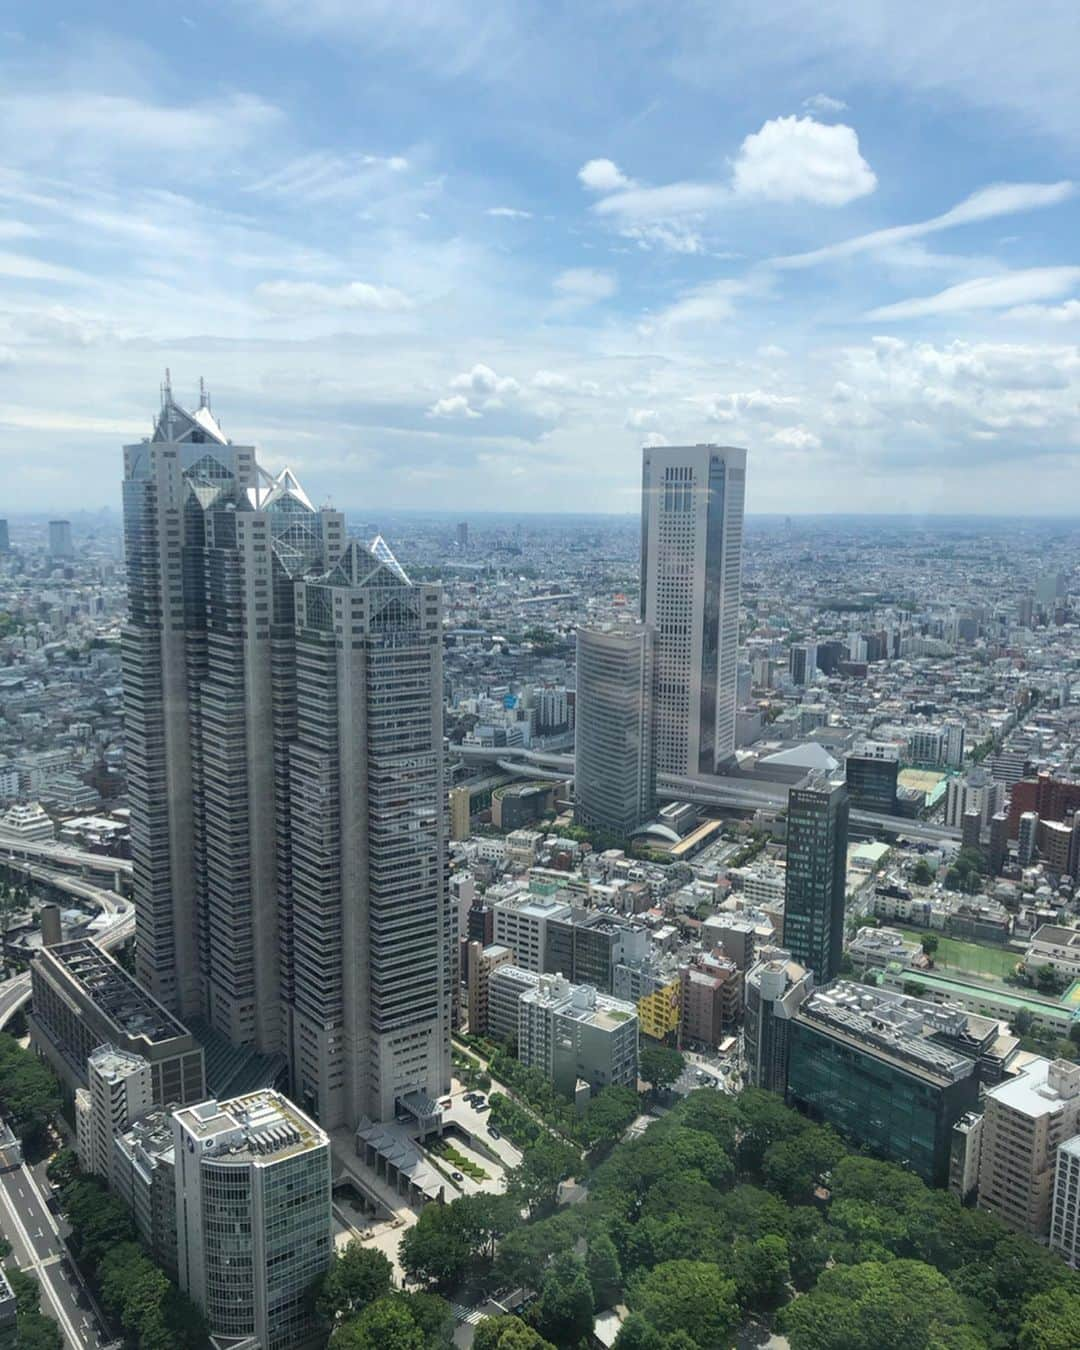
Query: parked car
<point x="494" y="1131"/>
<point x="457" y="1176"/>
<point x="483" y="1106"/>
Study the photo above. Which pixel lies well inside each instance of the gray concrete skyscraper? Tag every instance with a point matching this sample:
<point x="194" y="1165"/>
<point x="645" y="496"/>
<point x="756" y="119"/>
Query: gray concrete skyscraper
<point x="691" y="568"/>
<point x="370" y="973"/>
<point x="817" y="837"/>
<point x="60" y="545"/>
<point x="614" y="750"/>
<point x="219" y="699"/>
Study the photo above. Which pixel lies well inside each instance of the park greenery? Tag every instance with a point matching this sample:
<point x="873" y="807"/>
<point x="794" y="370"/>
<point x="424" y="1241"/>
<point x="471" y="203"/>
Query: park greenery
<point x="33" y="1329"/>
<point x="730" y="1210"/>
<point x="153" y="1313"/>
<point x="967" y="872"/>
<point x="29" y="1093"/>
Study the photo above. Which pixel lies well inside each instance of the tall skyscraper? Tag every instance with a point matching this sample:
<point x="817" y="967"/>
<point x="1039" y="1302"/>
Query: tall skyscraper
<point x="691" y="566"/>
<point x="5" y="542"/>
<point x="60" y="545"/>
<point x="614" y="764"/>
<point x="371" y="922"/>
<point x="270" y="673"/>
<point x="817" y="836"/>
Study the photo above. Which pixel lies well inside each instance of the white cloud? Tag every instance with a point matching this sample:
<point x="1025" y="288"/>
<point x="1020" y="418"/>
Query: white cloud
<point x="482" y="382"/>
<point x="825" y="104"/>
<point x="95" y="126"/>
<point x="793" y="159"/>
<point x="641" y="418"/>
<point x="663" y="203"/>
<point x="325" y="175"/>
<point x="313" y="295"/>
<point x="454" y="405"/>
<point x="654" y="440"/>
<point x="586" y="284"/>
<point x="995" y="292"/>
<point x="713" y="302"/>
<point x="1068" y="312"/>
<point x="796" y="438"/>
<point x="999" y="199"/>
<point x="603" y="175"/>
<point x="509" y="212"/>
<point x="32" y="269"/>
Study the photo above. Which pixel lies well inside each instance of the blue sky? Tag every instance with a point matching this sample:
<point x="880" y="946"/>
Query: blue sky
<point x="469" y="255"/>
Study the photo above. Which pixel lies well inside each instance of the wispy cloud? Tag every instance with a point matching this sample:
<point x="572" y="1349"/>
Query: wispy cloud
<point x="509" y="213"/>
<point x="999" y="199"/>
<point x="996" y="292"/>
<point x="313" y="295"/>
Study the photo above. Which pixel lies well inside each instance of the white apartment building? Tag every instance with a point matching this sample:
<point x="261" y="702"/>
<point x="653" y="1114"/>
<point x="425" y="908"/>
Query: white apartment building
<point x="1065" y="1214"/>
<point x="521" y="924"/>
<point x="571" y="1033"/>
<point x="120" y="1089"/>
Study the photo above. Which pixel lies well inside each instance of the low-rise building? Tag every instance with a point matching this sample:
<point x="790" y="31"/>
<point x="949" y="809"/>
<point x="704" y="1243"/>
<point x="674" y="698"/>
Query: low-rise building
<point x="711" y="999"/>
<point x="776" y="988"/>
<point x="572" y="1033"/>
<point x="82" y="998"/>
<point x="506" y="985"/>
<point x="482" y="964"/>
<point x="885" y="1071"/>
<point x="119" y="1090"/>
<point x="1065" y="1210"/>
<point x="143" y="1175"/>
<point x="1058" y="948"/>
<point x="1025" y="1119"/>
<point x="874" y="948"/>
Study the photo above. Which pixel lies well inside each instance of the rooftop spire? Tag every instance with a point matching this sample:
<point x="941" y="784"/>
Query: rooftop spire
<point x="204" y="395"/>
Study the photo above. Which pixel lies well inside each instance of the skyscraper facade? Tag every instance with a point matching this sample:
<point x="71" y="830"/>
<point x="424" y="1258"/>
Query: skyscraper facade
<point x="247" y="661"/>
<point x="614" y="763"/>
<point x="60" y="545"/>
<point x="817" y="835"/>
<point x="691" y="565"/>
<point x="371" y="923"/>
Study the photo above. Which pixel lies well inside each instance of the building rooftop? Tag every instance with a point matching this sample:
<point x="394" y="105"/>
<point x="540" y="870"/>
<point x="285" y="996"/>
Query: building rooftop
<point x="1041" y="1089"/>
<point x="892" y="1026"/>
<point x="112" y="989"/>
<point x="259" y="1128"/>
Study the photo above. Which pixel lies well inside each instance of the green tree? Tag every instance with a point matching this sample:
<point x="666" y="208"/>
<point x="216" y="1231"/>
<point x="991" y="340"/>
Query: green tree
<point x="386" y="1324"/>
<point x="608" y="1114"/>
<point x="33" y="1330"/>
<point x="29" y="1092"/>
<point x="544" y="1164"/>
<point x="901" y="1305"/>
<point x="793" y="1167"/>
<point x="436" y="1249"/>
<point x="358" y="1276"/>
<point x="762" y="1272"/>
<point x="1022" y="1022"/>
<point x="659" y="1065"/>
<point x="930" y="943"/>
<point x="605" y="1273"/>
<point x="691" y="1296"/>
<point x="565" y="1310"/>
<point x="1051" y="1322"/>
<point x="636" y="1333"/>
<point x="921" y="874"/>
<point x="63" y="1168"/>
<point x="508" y="1333"/>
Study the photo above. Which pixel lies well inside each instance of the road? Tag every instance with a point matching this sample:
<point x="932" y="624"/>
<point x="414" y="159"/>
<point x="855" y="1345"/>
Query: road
<point x="38" y="1249"/>
<point x="15" y="991"/>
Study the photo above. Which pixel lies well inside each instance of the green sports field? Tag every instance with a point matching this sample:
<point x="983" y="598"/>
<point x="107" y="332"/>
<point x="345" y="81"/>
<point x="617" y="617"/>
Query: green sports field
<point x="992" y="963"/>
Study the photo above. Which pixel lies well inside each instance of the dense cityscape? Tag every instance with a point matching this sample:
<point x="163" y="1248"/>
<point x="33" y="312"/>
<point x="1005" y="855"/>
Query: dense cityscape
<point x="525" y="931"/>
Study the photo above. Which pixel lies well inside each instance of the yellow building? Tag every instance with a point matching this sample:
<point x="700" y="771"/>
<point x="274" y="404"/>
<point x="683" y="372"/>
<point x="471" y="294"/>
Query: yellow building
<point x="459" y="813"/>
<point x="660" y="1012"/>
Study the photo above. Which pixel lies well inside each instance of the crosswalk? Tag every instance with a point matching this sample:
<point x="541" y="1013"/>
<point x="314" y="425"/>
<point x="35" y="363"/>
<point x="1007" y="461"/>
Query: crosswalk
<point x="469" y="1315"/>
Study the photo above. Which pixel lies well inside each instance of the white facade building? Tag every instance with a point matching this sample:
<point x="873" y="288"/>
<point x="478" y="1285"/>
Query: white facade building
<point x="253" y="1217"/>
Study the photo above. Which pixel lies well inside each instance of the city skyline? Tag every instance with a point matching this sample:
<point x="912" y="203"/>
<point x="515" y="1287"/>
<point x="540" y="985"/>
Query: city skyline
<point x="484" y="281"/>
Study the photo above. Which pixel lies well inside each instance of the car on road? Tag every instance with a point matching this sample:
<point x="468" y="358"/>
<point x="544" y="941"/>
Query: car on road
<point x="494" y="1131"/>
<point x="456" y="1176"/>
<point x="483" y="1106"/>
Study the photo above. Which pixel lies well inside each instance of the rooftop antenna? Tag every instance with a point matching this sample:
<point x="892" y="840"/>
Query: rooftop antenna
<point x="166" y="388"/>
<point x="204" y="397"/>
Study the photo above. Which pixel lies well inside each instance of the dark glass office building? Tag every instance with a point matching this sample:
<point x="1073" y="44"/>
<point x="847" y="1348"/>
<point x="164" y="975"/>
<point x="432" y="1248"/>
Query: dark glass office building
<point x="879" y="1070"/>
<point x="871" y="783"/>
<point x="817" y="835"/>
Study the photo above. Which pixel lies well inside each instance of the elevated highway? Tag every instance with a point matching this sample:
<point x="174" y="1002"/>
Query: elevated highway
<point x="66" y="858"/>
